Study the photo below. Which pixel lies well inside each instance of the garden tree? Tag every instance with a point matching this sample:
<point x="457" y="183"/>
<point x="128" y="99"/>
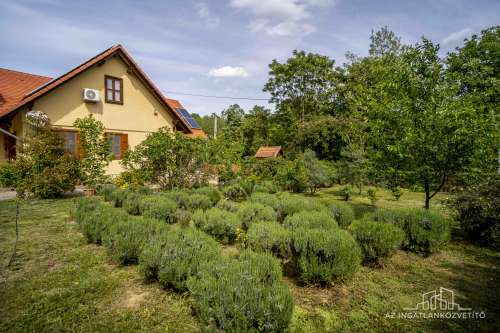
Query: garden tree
<point x="233" y="118"/>
<point x="42" y="167"/>
<point x="255" y="129"/>
<point x="354" y="166"/>
<point x="169" y="159"/>
<point x="94" y="150"/>
<point x="317" y="173"/>
<point x="475" y="67"/>
<point x="384" y="42"/>
<point x="420" y="128"/>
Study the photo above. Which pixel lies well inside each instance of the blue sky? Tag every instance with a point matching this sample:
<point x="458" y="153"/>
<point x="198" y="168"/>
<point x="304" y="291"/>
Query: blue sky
<point x="220" y="47"/>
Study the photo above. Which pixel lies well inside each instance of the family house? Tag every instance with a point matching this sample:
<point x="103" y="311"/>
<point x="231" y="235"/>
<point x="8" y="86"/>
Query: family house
<point x="110" y="86"/>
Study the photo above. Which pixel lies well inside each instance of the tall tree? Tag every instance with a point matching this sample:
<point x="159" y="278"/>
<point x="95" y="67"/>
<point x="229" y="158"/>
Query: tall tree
<point x="233" y="119"/>
<point x="383" y="42"/>
<point x="255" y="129"/>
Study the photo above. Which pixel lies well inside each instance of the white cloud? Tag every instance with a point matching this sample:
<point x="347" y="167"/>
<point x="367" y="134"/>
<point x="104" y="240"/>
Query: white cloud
<point x="206" y="15"/>
<point x="281" y="17"/>
<point x="228" y="71"/>
<point x="457" y="36"/>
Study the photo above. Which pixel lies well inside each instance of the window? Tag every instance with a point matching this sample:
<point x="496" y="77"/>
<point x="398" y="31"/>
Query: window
<point x="114" y="89"/>
<point x="70" y="141"/>
<point x="118" y="144"/>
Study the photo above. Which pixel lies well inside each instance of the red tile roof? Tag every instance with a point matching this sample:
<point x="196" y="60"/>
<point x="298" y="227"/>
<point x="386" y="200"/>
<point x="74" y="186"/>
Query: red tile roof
<point x="265" y="152"/>
<point x="15" y="85"/>
<point x="48" y="85"/>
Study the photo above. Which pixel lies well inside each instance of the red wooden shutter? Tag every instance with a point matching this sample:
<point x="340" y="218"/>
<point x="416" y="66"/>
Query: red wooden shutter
<point x="123" y="144"/>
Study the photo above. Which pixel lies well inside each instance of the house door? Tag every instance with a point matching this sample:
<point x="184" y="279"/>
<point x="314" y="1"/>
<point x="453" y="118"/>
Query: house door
<point x="10" y="147"/>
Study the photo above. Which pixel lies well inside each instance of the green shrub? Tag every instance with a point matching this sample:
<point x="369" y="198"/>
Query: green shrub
<point x="197" y="201"/>
<point x="346" y="192"/>
<point x="158" y="207"/>
<point x="378" y="240"/>
<point x="425" y="231"/>
<point x="289" y="204"/>
<point x="183" y="217"/>
<point x="255" y="212"/>
<point x="180" y="197"/>
<point x="478" y="212"/>
<point x="8" y="176"/>
<point x="269" y="237"/>
<point x="243" y="295"/>
<point x="325" y="256"/>
<point x="172" y="257"/>
<point x="229" y="205"/>
<point x="140" y="189"/>
<point x="397" y="193"/>
<point x="221" y="224"/>
<point x="372" y="195"/>
<point x="94" y="219"/>
<point x="265" y="199"/>
<point x="211" y="192"/>
<point x="125" y="238"/>
<point x="310" y="220"/>
<point x="132" y="202"/>
<point x="106" y="190"/>
<point x="117" y="197"/>
<point x="342" y="213"/>
<point x="266" y="187"/>
<point x="234" y="192"/>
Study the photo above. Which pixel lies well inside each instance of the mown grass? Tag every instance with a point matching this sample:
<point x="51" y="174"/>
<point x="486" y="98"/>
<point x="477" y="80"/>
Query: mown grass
<point x="60" y="283"/>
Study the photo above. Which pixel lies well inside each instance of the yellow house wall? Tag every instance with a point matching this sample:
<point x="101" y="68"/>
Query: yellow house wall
<point x="136" y="116"/>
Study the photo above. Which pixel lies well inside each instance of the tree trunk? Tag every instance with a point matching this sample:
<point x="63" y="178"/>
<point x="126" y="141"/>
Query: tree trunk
<point x="427" y="194"/>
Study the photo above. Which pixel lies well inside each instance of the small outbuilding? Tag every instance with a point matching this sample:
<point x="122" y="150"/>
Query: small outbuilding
<point x="268" y="152"/>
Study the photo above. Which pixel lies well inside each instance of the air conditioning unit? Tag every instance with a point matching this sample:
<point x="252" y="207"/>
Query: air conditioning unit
<point x="91" y="95"/>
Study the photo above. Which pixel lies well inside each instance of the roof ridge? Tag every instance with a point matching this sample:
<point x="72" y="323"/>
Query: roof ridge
<point x="26" y="73"/>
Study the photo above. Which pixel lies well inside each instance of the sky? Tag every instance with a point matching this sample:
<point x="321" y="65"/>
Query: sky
<point x="221" y="47"/>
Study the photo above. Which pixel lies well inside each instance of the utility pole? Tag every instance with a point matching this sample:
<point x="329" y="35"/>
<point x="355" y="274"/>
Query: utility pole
<point x="215" y="125"/>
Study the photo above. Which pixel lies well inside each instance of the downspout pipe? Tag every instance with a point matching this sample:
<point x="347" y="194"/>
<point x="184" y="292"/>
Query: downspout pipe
<point x="8" y="133"/>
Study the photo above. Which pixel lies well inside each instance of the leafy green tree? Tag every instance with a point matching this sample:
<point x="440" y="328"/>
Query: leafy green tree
<point x="318" y="175"/>
<point x="42" y="168"/>
<point x="94" y="150"/>
<point x="233" y="119"/>
<point x="255" y="129"/>
<point x="169" y="159"/>
<point x="384" y="42"/>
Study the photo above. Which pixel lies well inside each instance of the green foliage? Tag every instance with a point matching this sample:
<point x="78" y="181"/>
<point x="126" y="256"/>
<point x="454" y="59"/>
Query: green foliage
<point x="266" y="186"/>
<point x="183" y="217"/>
<point x="397" y="193"/>
<point x="229" y="205"/>
<point x="173" y="257"/>
<point x="158" y="207"/>
<point x="378" y="240"/>
<point x="125" y="238"/>
<point x="324" y="257"/>
<point x="169" y="159"/>
<point x="318" y="175"/>
<point x="346" y="192"/>
<point x="94" y="219"/>
<point x="117" y="197"/>
<point x="181" y="197"/>
<point x="342" y="212"/>
<point x="250" y="212"/>
<point x="221" y="224"/>
<point x="425" y="231"/>
<point x="372" y="195"/>
<point x="264" y="198"/>
<point x="478" y="211"/>
<point x="271" y="238"/>
<point x="293" y="175"/>
<point x="197" y="201"/>
<point x="94" y="150"/>
<point x="234" y="192"/>
<point x="8" y="175"/>
<point x="243" y="295"/>
<point x="211" y="192"/>
<point x="41" y="167"/>
<point x="131" y="202"/>
<point x="106" y="190"/>
<point x="310" y="220"/>
<point x="128" y="179"/>
<point x="290" y="204"/>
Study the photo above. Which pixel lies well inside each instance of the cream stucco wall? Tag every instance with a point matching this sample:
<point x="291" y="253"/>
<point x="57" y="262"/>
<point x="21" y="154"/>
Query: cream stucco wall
<point x="140" y="114"/>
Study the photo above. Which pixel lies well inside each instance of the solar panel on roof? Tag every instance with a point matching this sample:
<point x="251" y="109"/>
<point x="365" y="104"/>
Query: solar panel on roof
<point x="187" y="116"/>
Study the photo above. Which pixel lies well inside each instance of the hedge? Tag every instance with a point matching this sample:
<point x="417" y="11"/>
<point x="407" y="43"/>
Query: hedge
<point x="172" y="257"/>
<point x="342" y="213"/>
<point x="378" y="240"/>
<point x="221" y="224"/>
<point x="228" y="205"/>
<point x="289" y="204"/>
<point x="243" y="295"/>
<point x="214" y="194"/>
<point x="265" y="199"/>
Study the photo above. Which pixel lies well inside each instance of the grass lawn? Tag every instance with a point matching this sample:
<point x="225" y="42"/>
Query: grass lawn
<point x="58" y="282"/>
